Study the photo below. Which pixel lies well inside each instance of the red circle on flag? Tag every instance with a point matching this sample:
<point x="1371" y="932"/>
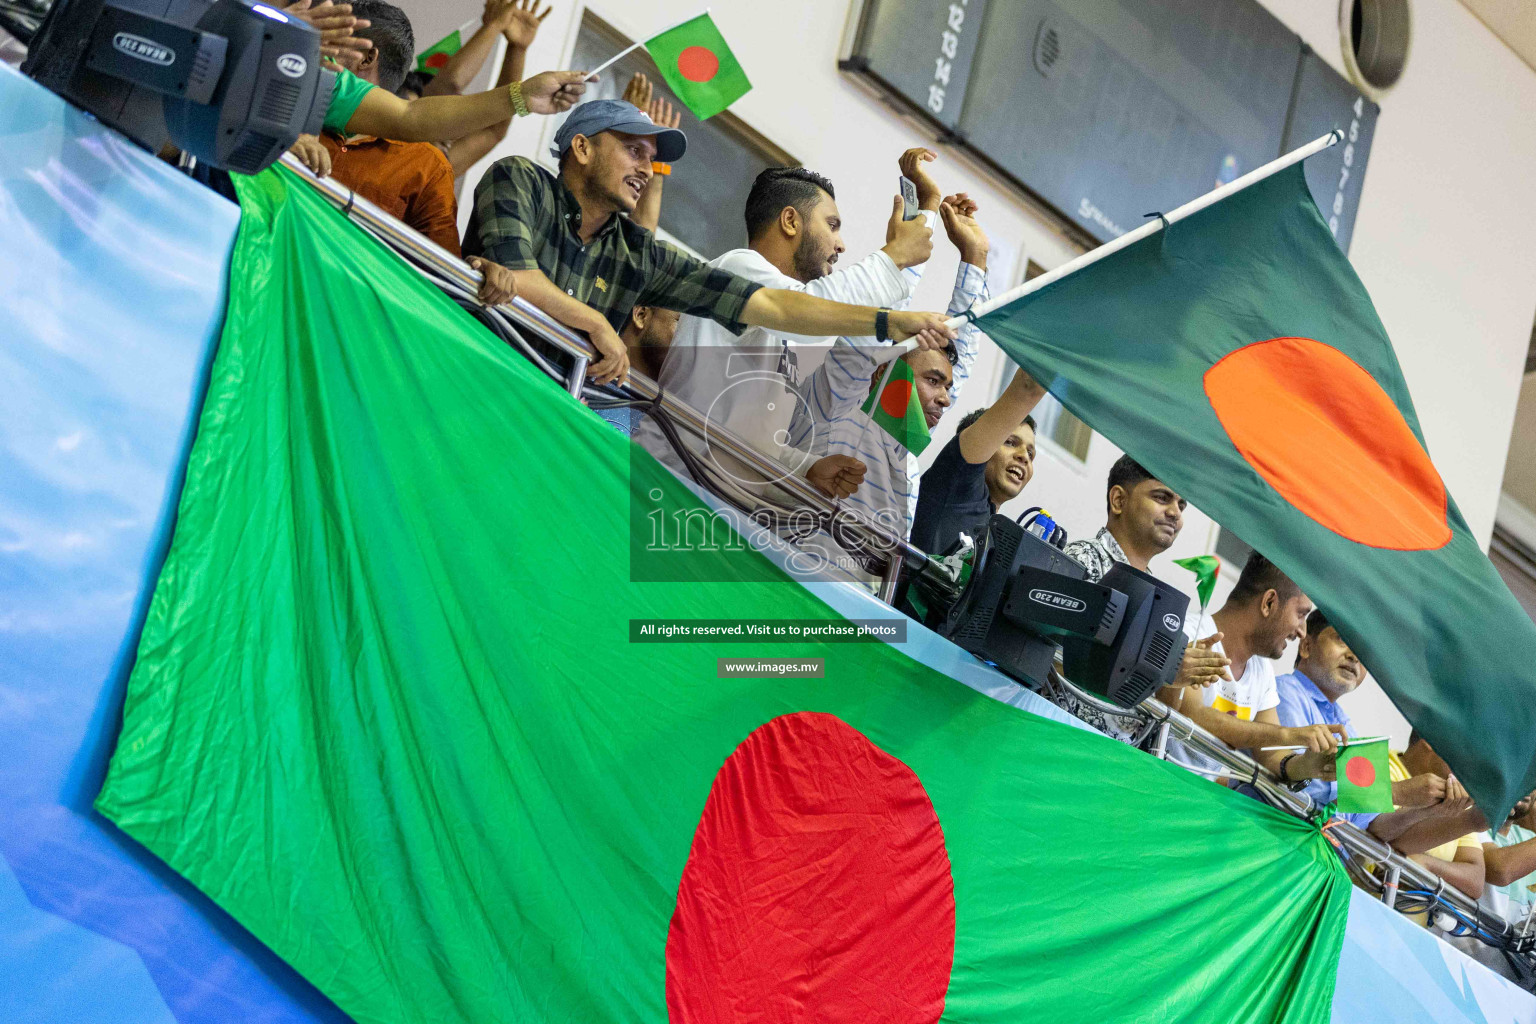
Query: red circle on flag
<point x="1320" y="430"/>
<point x="698" y="64"/>
<point x="896" y="397"/>
<point x="817" y="888"/>
<point x="438" y="60"/>
<point x="1360" y="771"/>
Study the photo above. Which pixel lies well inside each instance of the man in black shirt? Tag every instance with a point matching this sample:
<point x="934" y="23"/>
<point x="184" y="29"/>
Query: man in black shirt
<point x="990" y="459"/>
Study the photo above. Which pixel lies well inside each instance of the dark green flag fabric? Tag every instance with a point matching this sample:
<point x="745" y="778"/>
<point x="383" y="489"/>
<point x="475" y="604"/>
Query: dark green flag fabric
<point x="386" y="713"/>
<point x="1239" y="359"/>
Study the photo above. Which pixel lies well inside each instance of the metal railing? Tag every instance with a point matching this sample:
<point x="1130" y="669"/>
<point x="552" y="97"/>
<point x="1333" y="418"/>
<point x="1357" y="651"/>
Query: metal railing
<point x="524" y="315"/>
<point x="1158" y="723"/>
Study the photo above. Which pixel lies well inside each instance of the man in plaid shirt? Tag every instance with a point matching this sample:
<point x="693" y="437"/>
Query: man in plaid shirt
<point x="574" y="256"/>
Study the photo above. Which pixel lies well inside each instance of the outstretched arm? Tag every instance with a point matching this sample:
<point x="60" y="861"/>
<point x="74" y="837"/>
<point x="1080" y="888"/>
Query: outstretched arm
<point x="434" y="118"/>
<point x="981" y="440"/>
<point x="795" y="312"/>
<point x="456" y="75"/>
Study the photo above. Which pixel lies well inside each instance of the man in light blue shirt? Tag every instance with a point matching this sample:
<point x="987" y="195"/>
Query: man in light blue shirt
<point x="1326" y="669"/>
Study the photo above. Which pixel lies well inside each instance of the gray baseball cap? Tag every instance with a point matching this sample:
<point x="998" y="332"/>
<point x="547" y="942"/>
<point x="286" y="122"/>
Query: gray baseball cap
<point x="617" y="116"/>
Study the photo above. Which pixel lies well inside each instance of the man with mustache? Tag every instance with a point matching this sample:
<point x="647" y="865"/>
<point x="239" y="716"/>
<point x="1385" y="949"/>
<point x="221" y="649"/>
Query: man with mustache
<point x="1326" y="670"/>
<point x="830" y="419"/>
<point x="1263" y="614"/>
<point x="575" y="254"/>
<point x="1144" y="517"/>
<point x="742" y="381"/>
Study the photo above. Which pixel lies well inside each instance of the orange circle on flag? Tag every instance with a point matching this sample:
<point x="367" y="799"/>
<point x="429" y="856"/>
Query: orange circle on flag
<point x="896" y="397"/>
<point x="1360" y="771"/>
<point x="698" y="64"/>
<point x="1320" y="430"/>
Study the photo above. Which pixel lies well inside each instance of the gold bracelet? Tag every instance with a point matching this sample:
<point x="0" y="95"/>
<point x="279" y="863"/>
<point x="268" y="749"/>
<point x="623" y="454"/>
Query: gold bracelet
<point x="519" y="105"/>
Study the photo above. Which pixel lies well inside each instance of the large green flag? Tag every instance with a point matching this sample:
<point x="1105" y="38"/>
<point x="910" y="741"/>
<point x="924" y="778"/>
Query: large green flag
<point x="1237" y="356"/>
<point x="386" y="713"/>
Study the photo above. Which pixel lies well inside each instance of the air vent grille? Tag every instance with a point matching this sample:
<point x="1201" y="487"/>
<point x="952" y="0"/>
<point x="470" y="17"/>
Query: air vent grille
<point x="278" y="103"/>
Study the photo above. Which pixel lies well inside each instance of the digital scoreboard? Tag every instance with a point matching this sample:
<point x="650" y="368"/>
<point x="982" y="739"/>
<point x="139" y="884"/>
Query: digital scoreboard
<point x="1111" y="109"/>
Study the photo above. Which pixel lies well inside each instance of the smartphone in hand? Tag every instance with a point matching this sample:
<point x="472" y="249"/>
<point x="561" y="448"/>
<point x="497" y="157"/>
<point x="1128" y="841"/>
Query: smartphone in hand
<point x="908" y="198"/>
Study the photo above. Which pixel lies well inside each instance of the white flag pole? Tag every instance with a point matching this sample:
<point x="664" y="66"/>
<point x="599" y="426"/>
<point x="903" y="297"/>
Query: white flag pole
<point x="611" y="61"/>
<point x="1146" y="230"/>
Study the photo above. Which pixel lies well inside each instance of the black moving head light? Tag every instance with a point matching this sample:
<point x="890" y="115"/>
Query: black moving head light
<point x="231" y="82"/>
<point x="1122" y="637"/>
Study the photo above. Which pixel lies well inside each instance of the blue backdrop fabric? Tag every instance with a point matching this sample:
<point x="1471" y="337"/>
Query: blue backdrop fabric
<point x="112" y="272"/>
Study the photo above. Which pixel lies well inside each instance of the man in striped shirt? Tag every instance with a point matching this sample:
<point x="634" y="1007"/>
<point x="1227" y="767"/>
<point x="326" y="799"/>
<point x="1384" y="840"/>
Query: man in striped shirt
<point x="829" y="419"/>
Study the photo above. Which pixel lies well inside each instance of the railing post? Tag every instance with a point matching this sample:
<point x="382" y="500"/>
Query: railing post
<point x="578" y="376"/>
<point x="1389" y="889"/>
<point x="890" y="578"/>
<point x="1160" y="745"/>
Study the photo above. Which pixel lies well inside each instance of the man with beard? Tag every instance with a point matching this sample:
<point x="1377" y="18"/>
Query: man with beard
<point x="830" y="419"/>
<point x="1326" y="670"/>
<point x="1263" y="614"/>
<point x="743" y="381"/>
<point x="575" y="254"/>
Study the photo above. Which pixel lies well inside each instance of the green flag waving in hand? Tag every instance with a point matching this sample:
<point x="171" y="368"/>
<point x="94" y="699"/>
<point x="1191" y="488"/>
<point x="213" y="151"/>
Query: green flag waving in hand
<point x="1365" y="784"/>
<point x="698" y="66"/>
<point x="895" y="409"/>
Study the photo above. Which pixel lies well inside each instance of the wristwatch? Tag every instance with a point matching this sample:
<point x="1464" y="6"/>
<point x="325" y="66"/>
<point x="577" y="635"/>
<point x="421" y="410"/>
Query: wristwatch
<point x="882" y="324"/>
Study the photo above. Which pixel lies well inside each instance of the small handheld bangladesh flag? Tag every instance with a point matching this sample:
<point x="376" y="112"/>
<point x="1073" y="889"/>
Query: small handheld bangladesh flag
<point x="698" y="66"/>
<point x="1365" y="784"/>
<point x="433" y="58"/>
<point x="1206" y="568"/>
<point x="895" y="409"/>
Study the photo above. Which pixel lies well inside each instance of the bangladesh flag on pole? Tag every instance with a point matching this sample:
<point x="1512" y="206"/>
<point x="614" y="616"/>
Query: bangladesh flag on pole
<point x="897" y="410"/>
<point x="1238" y="358"/>
<point x="432" y="59"/>
<point x="698" y="66"/>
<point x="1365" y="784"/>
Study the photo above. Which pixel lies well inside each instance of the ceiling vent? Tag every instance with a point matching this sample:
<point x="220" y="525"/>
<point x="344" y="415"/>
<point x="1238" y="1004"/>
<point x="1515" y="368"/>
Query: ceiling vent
<point x="1375" y="35"/>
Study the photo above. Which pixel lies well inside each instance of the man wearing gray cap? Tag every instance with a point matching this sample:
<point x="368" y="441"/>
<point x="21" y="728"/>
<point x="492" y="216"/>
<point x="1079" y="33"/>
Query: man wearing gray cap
<point x="574" y="256"/>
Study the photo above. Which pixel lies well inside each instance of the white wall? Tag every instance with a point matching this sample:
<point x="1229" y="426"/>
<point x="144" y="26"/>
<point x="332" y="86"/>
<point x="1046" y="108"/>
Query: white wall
<point x="1442" y="240"/>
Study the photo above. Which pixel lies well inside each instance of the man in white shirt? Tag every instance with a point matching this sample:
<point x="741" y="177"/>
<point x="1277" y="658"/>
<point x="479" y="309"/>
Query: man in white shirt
<point x="1264" y="613"/>
<point x="745" y="382"/>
